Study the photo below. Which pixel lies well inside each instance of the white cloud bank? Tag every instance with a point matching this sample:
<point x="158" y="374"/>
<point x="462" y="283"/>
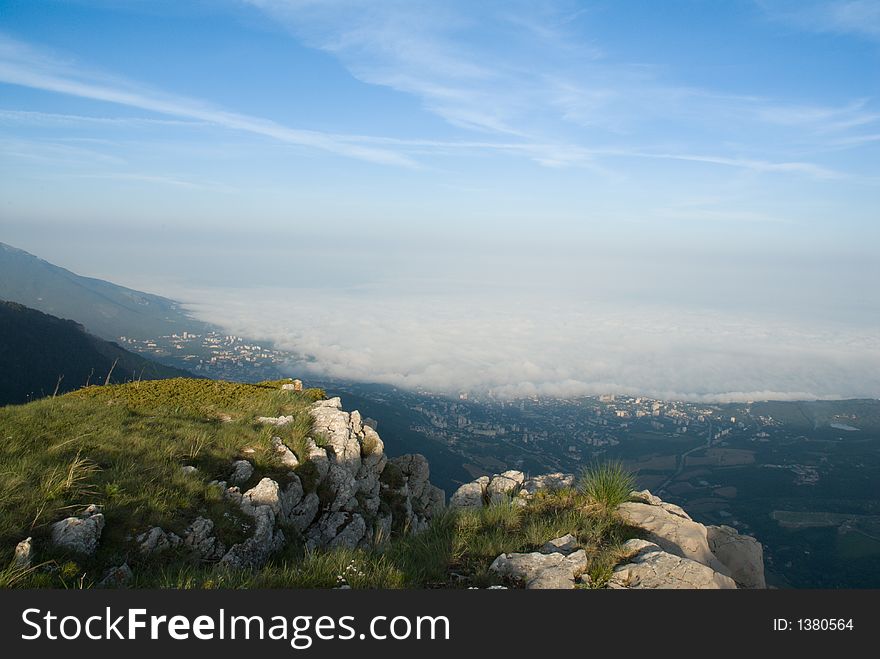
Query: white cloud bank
<point x="523" y="344"/>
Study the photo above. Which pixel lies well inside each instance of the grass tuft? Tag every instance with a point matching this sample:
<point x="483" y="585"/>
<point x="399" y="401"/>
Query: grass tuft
<point x="607" y="485"/>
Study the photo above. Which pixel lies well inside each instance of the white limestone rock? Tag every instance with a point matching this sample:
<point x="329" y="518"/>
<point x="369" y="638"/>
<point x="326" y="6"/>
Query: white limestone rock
<point x="24" y="554"/>
<point x="79" y="534"/>
<point x="542" y="571"/>
<point x="156" y="540"/>
<point x="291" y="496"/>
<point x="275" y="420"/>
<point x="470" y="495"/>
<point x="503" y="486"/>
<point x="665" y="526"/>
<point x="649" y="567"/>
<point x="549" y="482"/>
<point x="285" y="456"/>
<point x="566" y="544"/>
<point x="341" y="482"/>
<point x="336" y="529"/>
<point x="256" y="550"/>
<point x="265" y="493"/>
<point x="742" y="554"/>
<point x="343" y="445"/>
<point x="416" y="470"/>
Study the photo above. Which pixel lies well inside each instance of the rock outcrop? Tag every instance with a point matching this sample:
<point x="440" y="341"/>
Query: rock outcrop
<point x="677" y="545"/>
<point x="648" y="567"/>
<point x="343" y="491"/>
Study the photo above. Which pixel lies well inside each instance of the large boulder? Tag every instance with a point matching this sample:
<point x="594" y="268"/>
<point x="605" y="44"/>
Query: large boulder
<point x="649" y="567"/>
<point x="742" y="554"/>
<point x="670" y="528"/>
<point x="79" y="534"/>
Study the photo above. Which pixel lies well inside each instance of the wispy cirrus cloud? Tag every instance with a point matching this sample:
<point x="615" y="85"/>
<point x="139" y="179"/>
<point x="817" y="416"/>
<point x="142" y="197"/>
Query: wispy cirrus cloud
<point x="22" y="64"/>
<point x="531" y="75"/>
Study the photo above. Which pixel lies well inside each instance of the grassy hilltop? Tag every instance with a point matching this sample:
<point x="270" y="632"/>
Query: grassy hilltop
<point x="123" y="447"/>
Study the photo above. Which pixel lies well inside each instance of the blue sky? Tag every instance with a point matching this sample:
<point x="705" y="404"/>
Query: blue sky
<point x="716" y="155"/>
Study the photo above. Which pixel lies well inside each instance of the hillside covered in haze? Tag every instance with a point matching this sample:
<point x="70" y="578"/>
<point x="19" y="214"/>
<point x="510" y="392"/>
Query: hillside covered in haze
<point x="104" y="309"/>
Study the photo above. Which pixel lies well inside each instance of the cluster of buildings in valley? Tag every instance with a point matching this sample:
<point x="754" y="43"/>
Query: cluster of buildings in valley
<point x="212" y="354"/>
<point x="576" y="427"/>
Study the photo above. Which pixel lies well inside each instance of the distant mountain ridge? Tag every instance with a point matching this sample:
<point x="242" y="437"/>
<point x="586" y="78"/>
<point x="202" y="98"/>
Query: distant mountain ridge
<point x="39" y="352"/>
<point x="103" y="308"/>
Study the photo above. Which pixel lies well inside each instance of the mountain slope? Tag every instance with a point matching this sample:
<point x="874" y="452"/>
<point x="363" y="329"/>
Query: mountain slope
<point x="37" y="349"/>
<point x="105" y="309"/>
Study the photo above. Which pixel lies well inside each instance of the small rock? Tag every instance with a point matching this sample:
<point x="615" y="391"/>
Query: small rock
<point x="79" y="534"/>
<point x="188" y="469"/>
<point x="549" y="482"/>
<point x="275" y="420"/>
<point x="242" y="470"/>
<point x="265" y="493"/>
<point x="563" y="545"/>
<point x="542" y="571"/>
<point x="156" y="540"/>
<point x="24" y="554"/>
<point x="116" y="577"/>
<point x="470" y="495"/>
<point x="645" y="496"/>
<point x="285" y="455"/>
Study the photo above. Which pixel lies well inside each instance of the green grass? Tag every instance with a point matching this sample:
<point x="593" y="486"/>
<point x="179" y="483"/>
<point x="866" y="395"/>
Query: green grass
<point x="122" y="446"/>
<point x="607" y="485"/>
